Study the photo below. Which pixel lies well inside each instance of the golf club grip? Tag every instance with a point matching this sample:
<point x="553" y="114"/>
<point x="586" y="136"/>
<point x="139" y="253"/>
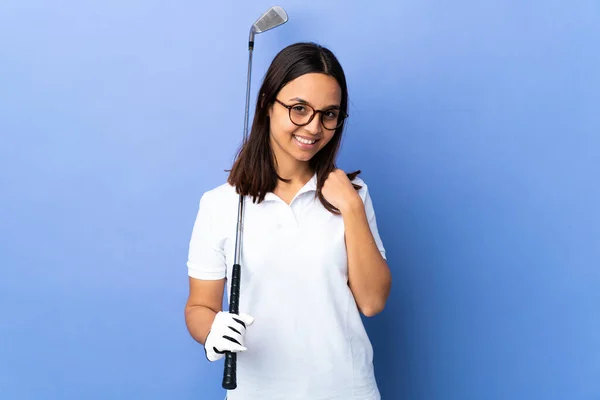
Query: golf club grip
<point x="229" y="371"/>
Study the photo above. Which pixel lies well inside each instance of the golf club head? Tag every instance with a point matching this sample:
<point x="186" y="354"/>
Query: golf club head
<point x="272" y="18"/>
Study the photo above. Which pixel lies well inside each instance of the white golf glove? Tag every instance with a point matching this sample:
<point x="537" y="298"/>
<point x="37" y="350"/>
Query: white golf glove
<point x="226" y="334"/>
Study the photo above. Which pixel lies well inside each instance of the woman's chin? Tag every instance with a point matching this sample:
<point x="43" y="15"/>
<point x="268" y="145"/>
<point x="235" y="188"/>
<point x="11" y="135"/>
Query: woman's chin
<point x="304" y="156"/>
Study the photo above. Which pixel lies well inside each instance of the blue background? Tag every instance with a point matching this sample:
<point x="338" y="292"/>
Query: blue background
<point x="476" y="125"/>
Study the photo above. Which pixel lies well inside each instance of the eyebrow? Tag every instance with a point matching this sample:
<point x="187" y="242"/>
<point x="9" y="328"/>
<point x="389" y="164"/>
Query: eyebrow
<point x="298" y="99"/>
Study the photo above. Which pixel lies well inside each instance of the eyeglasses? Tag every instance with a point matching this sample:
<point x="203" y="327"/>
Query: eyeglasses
<point x="301" y="114"/>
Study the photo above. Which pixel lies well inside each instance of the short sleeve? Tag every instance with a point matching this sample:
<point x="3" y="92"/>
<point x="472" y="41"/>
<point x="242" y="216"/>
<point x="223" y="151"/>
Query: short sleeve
<point x="370" y="212"/>
<point x="206" y="256"/>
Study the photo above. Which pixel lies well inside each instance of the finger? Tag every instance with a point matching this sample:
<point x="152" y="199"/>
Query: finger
<point x="233" y="321"/>
<point x="229" y="346"/>
<point x="238" y="332"/>
<point x="235" y="338"/>
<point x="226" y="342"/>
<point x="247" y="319"/>
<point x="242" y="320"/>
<point x="236" y="348"/>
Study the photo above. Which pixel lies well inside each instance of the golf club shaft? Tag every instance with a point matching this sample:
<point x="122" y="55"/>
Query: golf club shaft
<point x="230" y="368"/>
<point x="248" y="79"/>
<point x="273" y="18"/>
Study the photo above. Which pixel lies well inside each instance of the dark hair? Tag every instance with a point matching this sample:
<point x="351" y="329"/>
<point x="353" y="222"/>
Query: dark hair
<point x="253" y="172"/>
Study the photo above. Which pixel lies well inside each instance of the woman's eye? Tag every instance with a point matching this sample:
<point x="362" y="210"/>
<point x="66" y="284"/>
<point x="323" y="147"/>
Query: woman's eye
<point x="299" y="108"/>
<point x="331" y="114"/>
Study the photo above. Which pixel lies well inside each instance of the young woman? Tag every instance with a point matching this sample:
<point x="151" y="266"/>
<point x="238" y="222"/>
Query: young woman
<point x="312" y="259"/>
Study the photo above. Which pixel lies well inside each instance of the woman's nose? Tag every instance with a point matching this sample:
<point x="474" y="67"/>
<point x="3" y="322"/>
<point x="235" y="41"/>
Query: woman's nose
<point x="315" y="126"/>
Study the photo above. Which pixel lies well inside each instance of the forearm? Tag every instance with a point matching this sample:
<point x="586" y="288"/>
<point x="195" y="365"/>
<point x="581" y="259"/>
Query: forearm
<point x="368" y="273"/>
<point x="199" y="320"/>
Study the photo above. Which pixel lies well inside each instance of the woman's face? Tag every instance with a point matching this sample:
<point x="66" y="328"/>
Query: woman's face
<point x="301" y="143"/>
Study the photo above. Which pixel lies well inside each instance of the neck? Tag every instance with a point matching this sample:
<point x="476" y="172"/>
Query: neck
<point x="298" y="172"/>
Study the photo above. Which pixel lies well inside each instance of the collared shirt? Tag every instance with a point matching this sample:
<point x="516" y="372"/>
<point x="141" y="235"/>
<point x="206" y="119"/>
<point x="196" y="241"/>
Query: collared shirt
<point x="308" y="340"/>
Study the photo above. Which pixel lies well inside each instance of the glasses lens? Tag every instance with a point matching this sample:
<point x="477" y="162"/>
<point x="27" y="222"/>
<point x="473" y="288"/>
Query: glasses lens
<point x="300" y="114"/>
<point x="331" y="119"/>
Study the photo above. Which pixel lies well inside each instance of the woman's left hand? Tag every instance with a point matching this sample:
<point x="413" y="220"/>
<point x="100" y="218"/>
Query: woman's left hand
<point x="339" y="192"/>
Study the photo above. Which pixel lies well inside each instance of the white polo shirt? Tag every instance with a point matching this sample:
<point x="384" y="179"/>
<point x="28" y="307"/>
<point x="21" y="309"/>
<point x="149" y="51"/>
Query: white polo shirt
<point x="308" y="341"/>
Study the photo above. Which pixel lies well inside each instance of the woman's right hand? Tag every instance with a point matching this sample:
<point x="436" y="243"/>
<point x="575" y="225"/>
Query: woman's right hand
<point x="226" y="334"/>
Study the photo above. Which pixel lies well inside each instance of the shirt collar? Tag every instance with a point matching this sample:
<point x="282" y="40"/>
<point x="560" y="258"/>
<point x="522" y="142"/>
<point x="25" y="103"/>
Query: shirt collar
<point x="309" y="186"/>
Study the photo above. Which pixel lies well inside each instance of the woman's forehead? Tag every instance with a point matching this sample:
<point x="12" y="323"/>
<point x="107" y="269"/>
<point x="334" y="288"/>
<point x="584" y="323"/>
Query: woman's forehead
<point x="316" y="89"/>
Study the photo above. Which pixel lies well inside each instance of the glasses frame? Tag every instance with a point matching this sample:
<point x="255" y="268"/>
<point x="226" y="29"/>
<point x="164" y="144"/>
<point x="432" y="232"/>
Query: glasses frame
<point x="342" y="116"/>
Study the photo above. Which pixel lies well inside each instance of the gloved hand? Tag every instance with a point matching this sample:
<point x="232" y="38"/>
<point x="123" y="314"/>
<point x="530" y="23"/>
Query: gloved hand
<point x="226" y="334"/>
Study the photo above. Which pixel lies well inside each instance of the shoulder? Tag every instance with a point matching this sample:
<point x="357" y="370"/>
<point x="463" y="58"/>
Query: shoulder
<point x="364" y="189"/>
<point x="218" y="197"/>
<point x="359" y="181"/>
<point x="365" y="196"/>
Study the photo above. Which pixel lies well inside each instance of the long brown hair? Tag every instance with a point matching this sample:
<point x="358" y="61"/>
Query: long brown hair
<point x="253" y="172"/>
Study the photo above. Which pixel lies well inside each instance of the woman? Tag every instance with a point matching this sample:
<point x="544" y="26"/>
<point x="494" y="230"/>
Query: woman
<point x="312" y="259"/>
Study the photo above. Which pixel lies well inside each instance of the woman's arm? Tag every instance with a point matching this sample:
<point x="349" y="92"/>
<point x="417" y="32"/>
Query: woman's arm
<point x="369" y="277"/>
<point x="205" y="300"/>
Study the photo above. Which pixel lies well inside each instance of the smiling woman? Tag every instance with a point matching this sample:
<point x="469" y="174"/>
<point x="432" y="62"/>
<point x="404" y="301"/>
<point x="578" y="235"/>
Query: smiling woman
<point x="313" y="260"/>
<point x="304" y="95"/>
<point x="321" y="91"/>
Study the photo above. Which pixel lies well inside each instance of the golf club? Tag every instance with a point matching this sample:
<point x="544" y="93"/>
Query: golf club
<point x="272" y="18"/>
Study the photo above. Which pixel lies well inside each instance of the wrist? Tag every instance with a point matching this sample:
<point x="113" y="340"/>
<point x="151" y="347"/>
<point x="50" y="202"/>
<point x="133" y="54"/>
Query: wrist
<point x="352" y="205"/>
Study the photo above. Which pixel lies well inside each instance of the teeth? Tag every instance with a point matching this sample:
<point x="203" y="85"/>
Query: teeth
<point x="302" y="140"/>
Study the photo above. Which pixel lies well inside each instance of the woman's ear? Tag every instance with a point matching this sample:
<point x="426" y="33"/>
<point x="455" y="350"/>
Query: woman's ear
<point x="263" y="103"/>
<point x="262" y="100"/>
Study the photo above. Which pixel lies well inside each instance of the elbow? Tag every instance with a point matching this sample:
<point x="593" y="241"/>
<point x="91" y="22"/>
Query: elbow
<point x="373" y="301"/>
<point x="371" y="310"/>
<point x="374" y="304"/>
